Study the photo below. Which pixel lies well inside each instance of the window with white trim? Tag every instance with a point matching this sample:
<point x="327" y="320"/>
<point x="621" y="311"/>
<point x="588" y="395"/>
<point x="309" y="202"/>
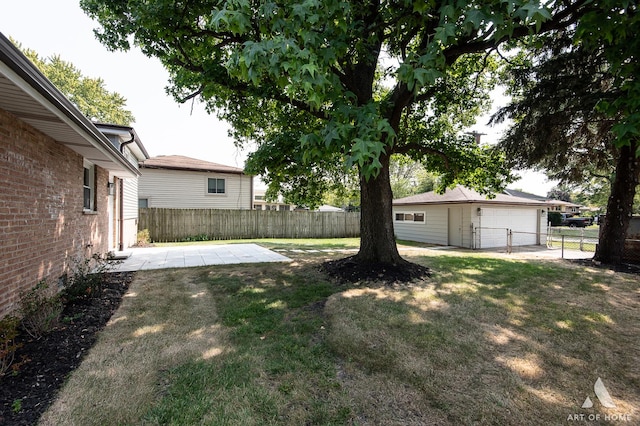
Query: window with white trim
<point x="410" y="217"/>
<point x="215" y="186"/>
<point x="89" y="187"/>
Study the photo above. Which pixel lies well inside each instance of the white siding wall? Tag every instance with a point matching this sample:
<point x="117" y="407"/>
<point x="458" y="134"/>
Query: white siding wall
<point x="433" y="231"/>
<point x="467" y="220"/>
<point x="130" y="212"/>
<point x="188" y="190"/>
<point x="436" y="228"/>
<point x="130" y="233"/>
<point x="543" y="225"/>
<point x="130" y="198"/>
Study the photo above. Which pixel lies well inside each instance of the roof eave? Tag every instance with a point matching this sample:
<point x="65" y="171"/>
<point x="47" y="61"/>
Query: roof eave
<point x="25" y="76"/>
<point x="503" y="203"/>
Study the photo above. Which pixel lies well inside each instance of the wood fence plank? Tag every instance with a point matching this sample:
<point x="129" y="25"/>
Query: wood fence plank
<point x="170" y="225"/>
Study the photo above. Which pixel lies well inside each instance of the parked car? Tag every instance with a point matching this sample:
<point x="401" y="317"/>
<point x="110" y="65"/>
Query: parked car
<point x="575" y="222"/>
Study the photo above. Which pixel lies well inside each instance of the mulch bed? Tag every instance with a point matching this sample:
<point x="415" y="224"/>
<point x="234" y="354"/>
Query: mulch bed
<point x="25" y="396"/>
<point x="352" y="270"/>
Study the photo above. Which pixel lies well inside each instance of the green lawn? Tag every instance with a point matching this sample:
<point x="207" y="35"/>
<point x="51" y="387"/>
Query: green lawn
<point x="484" y="341"/>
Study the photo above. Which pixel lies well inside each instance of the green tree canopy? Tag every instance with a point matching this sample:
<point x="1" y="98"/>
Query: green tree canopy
<point x="576" y="111"/>
<point x="409" y="177"/>
<point x="577" y="103"/>
<point x="561" y="193"/>
<point x="359" y="80"/>
<point x="88" y="94"/>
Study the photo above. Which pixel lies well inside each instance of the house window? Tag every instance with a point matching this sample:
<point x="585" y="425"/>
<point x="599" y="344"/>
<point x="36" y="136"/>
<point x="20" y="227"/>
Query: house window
<point x="285" y="208"/>
<point x="410" y="217"/>
<point x="257" y="207"/>
<point x="143" y="203"/>
<point x="89" y="186"/>
<point x="215" y="186"/>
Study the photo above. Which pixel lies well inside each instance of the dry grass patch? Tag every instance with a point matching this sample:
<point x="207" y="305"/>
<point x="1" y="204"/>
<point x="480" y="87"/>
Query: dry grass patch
<point x="166" y="318"/>
<point x="490" y="341"/>
<point x="484" y="341"/>
<point x="280" y="371"/>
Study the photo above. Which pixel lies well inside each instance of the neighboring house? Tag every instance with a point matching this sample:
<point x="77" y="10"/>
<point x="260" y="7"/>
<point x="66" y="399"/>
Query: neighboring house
<point x="328" y="208"/>
<point x="464" y="218"/>
<point x="564" y="207"/>
<point x="59" y="180"/>
<point x="175" y="181"/>
<point x="552" y="205"/>
<point x="259" y="202"/>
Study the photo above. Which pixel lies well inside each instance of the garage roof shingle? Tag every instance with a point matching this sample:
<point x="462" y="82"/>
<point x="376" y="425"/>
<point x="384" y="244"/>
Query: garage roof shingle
<point x="460" y="194"/>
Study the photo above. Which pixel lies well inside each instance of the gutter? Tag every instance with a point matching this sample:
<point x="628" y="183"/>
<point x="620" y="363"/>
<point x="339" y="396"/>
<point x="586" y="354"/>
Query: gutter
<point x="24" y="69"/>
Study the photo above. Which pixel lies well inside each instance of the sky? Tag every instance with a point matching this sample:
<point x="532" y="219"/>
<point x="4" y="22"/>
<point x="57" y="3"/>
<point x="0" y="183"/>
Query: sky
<point x="165" y="127"/>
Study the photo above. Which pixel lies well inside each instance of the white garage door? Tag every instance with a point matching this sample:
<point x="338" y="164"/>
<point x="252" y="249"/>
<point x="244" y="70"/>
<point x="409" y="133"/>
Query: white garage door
<point x="495" y="222"/>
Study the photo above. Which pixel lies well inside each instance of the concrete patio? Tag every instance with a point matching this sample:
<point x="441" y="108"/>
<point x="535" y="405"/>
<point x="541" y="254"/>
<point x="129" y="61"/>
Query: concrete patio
<point x="138" y="259"/>
<point x="518" y="252"/>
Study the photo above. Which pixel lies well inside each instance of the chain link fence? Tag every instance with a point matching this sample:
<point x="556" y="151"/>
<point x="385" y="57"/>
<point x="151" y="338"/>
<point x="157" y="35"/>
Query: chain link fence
<point x="504" y="239"/>
<point x="569" y="242"/>
<point x="564" y="238"/>
<point x="586" y="240"/>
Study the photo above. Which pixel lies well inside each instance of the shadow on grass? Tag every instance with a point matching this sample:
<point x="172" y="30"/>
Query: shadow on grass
<point x="280" y="370"/>
<point x="496" y="341"/>
<point x="484" y="341"/>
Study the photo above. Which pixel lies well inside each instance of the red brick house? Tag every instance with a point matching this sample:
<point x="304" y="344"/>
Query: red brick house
<point x="62" y="180"/>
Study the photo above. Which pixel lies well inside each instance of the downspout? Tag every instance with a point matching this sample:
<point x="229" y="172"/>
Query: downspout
<point x="133" y="138"/>
<point x="121" y="214"/>
<point x="121" y="196"/>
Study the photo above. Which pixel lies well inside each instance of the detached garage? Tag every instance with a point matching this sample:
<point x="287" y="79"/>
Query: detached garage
<point x="464" y="218"/>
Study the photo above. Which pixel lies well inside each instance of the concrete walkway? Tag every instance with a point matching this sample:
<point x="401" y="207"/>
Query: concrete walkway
<point x="138" y="259"/>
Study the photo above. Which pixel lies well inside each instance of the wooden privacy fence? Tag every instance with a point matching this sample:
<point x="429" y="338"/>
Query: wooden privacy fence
<point x="166" y="225"/>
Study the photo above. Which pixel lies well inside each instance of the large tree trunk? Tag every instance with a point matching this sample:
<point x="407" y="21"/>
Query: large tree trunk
<point x="377" y="240"/>
<point x="619" y="207"/>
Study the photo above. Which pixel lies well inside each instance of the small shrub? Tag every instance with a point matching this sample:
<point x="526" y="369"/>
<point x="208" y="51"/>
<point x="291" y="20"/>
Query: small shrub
<point x="143" y="238"/>
<point x="71" y="319"/>
<point x="40" y="308"/>
<point x="200" y="237"/>
<point x="8" y="347"/>
<point x="555" y="218"/>
<point x="16" y="406"/>
<point x="87" y="276"/>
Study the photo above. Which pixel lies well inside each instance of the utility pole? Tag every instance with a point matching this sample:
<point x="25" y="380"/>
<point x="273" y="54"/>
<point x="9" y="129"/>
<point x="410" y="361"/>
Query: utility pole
<point x="476" y="135"/>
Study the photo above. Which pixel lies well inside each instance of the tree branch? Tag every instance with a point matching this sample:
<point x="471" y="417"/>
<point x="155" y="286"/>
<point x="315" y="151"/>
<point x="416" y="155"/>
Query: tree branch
<point x="413" y="146"/>
<point x="561" y="20"/>
<point x="192" y="95"/>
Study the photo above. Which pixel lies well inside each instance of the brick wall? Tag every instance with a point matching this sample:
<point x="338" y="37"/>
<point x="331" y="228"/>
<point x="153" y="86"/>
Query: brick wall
<point x="42" y="223"/>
